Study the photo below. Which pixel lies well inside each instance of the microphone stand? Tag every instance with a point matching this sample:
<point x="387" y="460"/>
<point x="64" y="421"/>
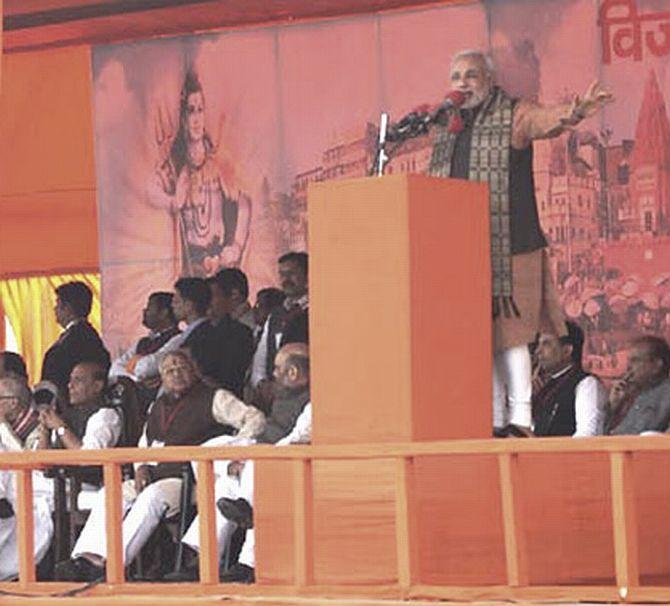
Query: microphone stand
<point x="414" y="124"/>
<point x="382" y="157"/>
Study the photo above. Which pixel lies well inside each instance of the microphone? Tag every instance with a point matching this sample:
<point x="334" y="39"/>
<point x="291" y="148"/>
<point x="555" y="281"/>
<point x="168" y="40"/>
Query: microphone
<point x="452" y="101"/>
<point x="417" y="123"/>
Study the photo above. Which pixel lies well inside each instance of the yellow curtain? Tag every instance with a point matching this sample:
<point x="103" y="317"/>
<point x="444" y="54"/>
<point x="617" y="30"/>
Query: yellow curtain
<point x="29" y="305"/>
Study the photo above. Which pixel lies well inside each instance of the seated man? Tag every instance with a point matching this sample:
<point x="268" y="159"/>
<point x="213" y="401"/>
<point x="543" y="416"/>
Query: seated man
<point x="288" y="323"/>
<point x="239" y="508"/>
<point x="227" y="347"/>
<point x="43" y="526"/>
<point x="571" y="402"/>
<point x="12" y="364"/>
<point x="78" y="342"/>
<point x="20" y="430"/>
<point x="20" y="427"/>
<point x="188" y="412"/>
<point x="267" y="300"/>
<point x="189" y="305"/>
<point x="89" y="422"/>
<point x="19" y="421"/>
<point x="205" y="342"/>
<point x="230" y="291"/>
<point x="291" y="374"/>
<point x="640" y="401"/>
<point x="159" y="318"/>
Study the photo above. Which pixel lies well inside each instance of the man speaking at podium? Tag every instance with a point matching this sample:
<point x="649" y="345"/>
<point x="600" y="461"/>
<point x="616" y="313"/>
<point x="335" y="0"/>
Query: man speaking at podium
<point x="490" y="139"/>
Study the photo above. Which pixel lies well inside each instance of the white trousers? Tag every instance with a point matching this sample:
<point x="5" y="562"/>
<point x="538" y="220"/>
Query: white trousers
<point x="231" y="488"/>
<point x="142" y="512"/>
<point x="512" y="387"/>
<point x="42" y="521"/>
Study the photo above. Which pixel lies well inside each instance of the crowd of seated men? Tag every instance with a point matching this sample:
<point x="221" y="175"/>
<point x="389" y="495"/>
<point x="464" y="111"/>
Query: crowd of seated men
<point x="212" y="370"/>
<point x="568" y="401"/>
<point x="188" y="381"/>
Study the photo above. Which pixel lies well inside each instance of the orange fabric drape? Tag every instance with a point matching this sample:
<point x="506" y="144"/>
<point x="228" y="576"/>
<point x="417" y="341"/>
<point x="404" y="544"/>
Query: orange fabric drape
<point x="47" y="172"/>
<point x="47" y="192"/>
<point x="28" y="304"/>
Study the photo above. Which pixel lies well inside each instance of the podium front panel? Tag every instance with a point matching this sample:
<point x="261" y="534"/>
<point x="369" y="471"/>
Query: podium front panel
<point x="400" y="312"/>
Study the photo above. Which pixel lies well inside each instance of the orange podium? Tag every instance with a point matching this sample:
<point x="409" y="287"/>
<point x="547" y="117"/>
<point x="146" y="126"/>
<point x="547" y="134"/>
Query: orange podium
<point x="400" y="351"/>
<point x="399" y="296"/>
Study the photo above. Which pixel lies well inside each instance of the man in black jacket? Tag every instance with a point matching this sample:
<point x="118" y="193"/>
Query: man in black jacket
<point x="227" y="346"/>
<point x="79" y="342"/>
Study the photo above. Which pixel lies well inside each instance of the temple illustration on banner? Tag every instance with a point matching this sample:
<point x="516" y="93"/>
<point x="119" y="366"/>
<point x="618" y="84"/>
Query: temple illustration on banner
<point x="604" y="207"/>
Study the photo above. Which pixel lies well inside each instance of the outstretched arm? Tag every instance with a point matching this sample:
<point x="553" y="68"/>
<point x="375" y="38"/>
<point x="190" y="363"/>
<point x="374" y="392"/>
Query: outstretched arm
<point x="534" y="121"/>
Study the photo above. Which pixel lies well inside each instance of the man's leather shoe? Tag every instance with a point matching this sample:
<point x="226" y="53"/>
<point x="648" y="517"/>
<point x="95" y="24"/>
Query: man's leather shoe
<point x="239" y="573"/>
<point x="238" y="511"/>
<point x="79" y="569"/>
<point x="185" y="575"/>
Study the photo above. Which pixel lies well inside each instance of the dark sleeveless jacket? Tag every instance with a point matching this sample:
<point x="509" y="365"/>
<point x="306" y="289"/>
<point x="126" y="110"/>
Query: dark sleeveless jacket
<point x="153" y="342"/>
<point x="554" y="405"/>
<point x="76" y="417"/>
<point x="285" y="412"/>
<point x="525" y="231"/>
<point x="185" y="422"/>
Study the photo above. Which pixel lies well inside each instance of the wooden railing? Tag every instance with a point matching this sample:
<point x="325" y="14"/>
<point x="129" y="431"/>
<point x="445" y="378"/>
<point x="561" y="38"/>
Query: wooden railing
<point x="619" y="450"/>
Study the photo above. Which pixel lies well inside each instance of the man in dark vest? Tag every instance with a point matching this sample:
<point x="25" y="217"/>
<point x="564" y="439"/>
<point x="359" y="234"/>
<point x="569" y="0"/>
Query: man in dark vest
<point x="188" y="412"/>
<point x="289" y="422"/>
<point x="159" y="318"/>
<point x="89" y="422"/>
<point x="288" y="323"/>
<point x="189" y="303"/>
<point x="571" y="402"/>
<point x="490" y="139"/>
<point x="640" y="401"/>
<point x="78" y="342"/>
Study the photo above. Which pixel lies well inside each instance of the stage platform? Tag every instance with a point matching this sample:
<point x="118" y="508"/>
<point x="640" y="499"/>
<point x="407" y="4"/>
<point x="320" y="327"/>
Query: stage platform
<point x="557" y="519"/>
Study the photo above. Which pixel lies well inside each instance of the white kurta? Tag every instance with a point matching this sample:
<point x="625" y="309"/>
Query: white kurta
<point x="43" y="525"/>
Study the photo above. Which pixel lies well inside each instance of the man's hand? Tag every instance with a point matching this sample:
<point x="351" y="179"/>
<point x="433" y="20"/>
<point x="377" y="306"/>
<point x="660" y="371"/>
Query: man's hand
<point x="142" y="477"/>
<point x="50" y="419"/>
<point x="151" y="382"/>
<point x="595" y="98"/>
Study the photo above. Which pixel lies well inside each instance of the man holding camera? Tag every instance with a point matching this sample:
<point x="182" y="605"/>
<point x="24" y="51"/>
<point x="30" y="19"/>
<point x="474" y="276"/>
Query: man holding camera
<point x="89" y="423"/>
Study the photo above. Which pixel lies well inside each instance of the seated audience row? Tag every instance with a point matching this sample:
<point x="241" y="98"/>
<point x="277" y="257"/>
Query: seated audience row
<point x="569" y="401"/>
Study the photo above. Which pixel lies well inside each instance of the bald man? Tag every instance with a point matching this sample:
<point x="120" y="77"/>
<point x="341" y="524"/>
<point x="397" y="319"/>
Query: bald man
<point x="289" y="423"/>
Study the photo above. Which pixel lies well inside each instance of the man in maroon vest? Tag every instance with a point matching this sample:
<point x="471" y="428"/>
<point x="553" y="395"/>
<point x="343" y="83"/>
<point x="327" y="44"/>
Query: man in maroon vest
<point x="187" y="413"/>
